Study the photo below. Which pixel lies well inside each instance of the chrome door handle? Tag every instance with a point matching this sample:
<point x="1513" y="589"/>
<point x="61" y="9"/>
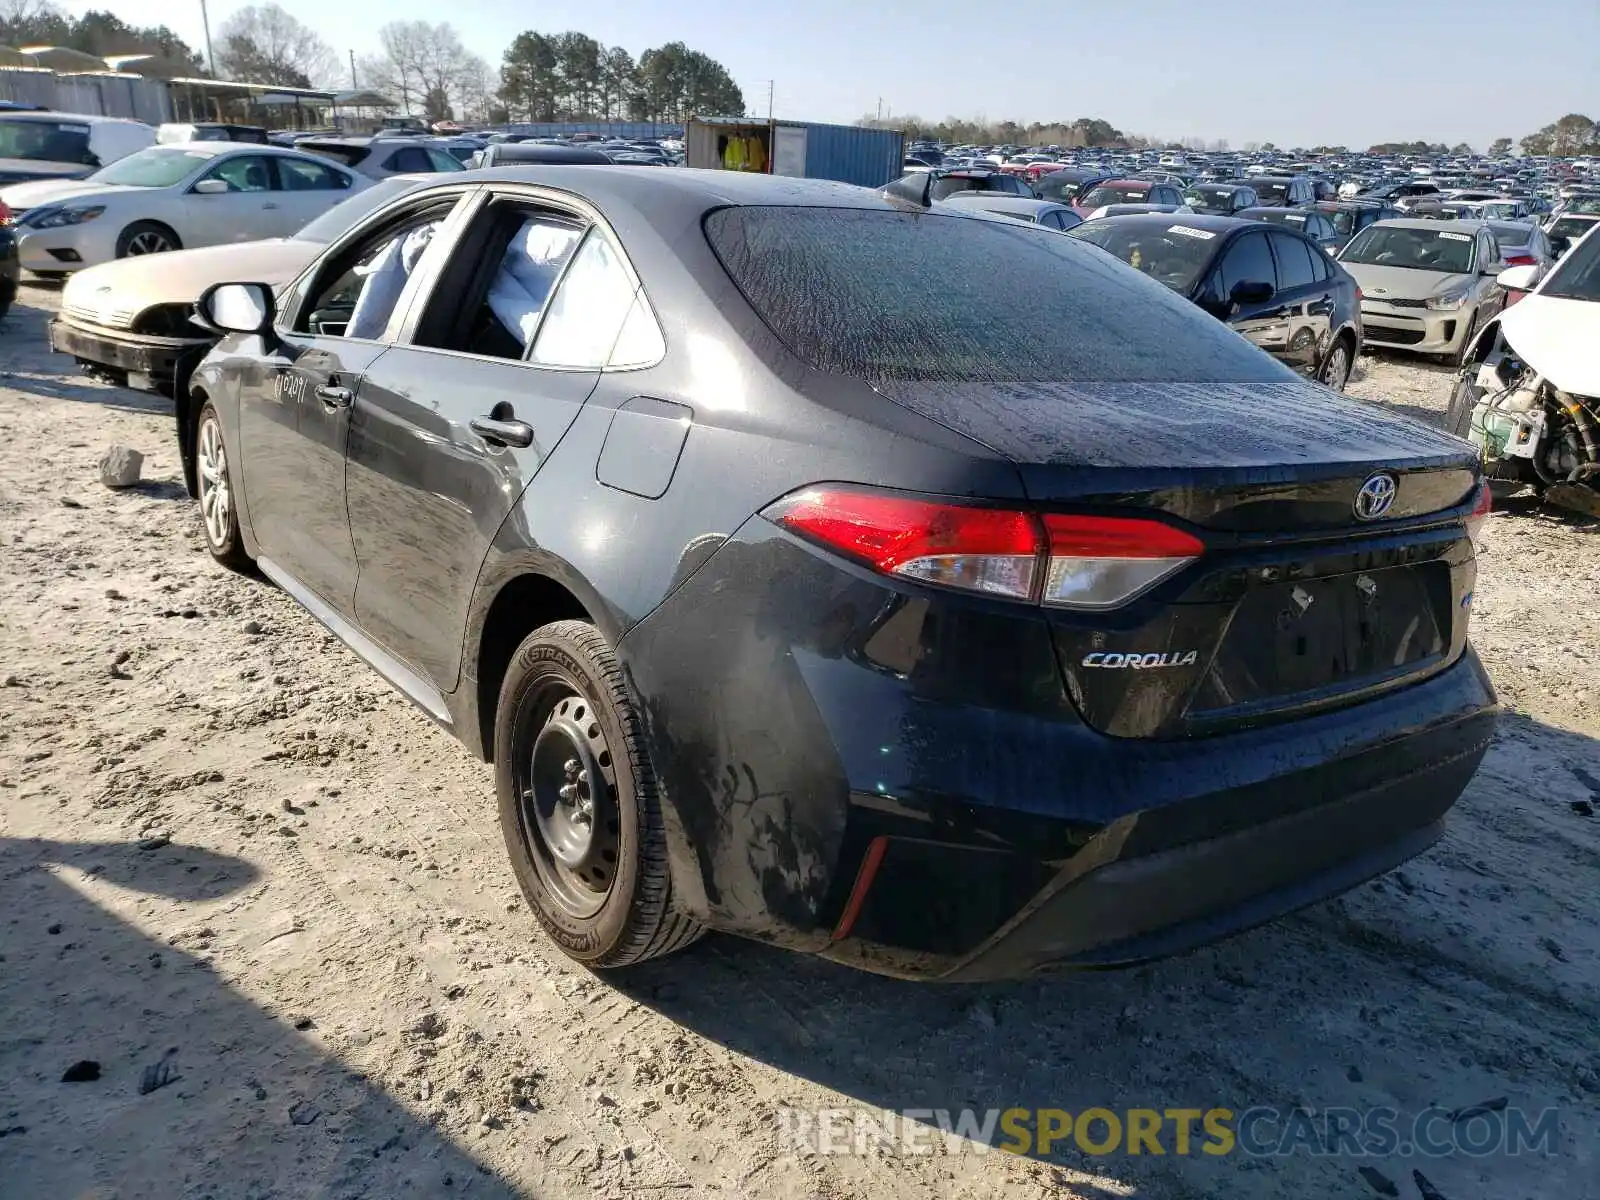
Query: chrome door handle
<point x="502" y="433"/>
<point x="335" y="397"/>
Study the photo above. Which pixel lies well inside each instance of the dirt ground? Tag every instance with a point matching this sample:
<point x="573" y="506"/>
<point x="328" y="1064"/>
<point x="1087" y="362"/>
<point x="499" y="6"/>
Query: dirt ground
<point x="231" y="859"/>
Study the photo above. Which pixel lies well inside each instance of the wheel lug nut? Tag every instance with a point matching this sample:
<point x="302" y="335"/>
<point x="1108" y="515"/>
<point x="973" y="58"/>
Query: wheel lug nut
<point x="568" y="792"/>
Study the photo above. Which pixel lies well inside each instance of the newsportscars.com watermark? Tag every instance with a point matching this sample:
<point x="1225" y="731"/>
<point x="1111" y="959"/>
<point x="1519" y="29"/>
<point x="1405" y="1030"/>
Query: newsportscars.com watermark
<point x="1254" y="1132"/>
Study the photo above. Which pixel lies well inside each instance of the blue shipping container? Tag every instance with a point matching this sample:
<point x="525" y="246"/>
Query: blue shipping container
<point x="800" y="149"/>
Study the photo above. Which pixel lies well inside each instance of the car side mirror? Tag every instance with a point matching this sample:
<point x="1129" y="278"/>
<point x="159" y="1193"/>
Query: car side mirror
<point x="236" y="308"/>
<point x="211" y="187"/>
<point x="1251" y="291"/>
<point x="1517" y="279"/>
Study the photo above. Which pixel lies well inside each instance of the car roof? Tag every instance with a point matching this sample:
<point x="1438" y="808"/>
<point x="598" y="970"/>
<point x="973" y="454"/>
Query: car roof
<point x="1211" y="224"/>
<point x="73" y="118"/>
<point x="1002" y="202"/>
<point x="1275" y="210"/>
<point x="1458" y="226"/>
<point x="685" y="188"/>
<point x="1132" y="182"/>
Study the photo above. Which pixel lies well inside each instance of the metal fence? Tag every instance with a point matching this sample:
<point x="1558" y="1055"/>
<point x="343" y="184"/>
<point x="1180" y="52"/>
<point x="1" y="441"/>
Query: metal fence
<point x="101" y="95"/>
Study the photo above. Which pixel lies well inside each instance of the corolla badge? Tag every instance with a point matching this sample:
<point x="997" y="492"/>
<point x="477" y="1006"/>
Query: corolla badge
<point x="1376" y="496"/>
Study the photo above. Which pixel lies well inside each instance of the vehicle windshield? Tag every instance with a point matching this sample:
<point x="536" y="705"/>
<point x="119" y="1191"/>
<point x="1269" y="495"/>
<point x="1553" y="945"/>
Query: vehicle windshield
<point x="1176" y="255"/>
<point x="1210" y="199"/>
<point x="1577" y="276"/>
<point x="45" y="141"/>
<point x="869" y="293"/>
<point x="1273" y="191"/>
<point x="1584" y="204"/>
<point x="344" y="215"/>
<point x="1512" y="235"/>
<point x="159" y="166"/>
<point x="1106" y="194"/>
<point x="1415" y="249"/>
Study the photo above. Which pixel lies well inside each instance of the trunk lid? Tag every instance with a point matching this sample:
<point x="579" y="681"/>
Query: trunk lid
<point x="1297" y="604"/>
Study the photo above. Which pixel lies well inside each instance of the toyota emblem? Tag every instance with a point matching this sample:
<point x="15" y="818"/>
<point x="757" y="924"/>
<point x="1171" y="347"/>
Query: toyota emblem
<point x="1376" y="496"/>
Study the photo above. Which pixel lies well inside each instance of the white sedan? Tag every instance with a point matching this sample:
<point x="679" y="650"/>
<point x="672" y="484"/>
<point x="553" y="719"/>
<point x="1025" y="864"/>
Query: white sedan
<point x="172" y="197"/>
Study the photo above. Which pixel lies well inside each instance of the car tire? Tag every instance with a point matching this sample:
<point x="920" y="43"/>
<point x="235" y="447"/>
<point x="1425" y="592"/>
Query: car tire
<point x="219" y="512"/>
<point x="579" y="804"/>
<point x="1458" y="417"/>
<point x="146" y="237"/>
<point x="1336" y="368"/>
<point x="1458" y="357"/>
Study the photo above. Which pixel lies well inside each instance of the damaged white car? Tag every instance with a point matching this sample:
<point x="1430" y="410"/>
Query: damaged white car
<point x="1529" y="390"/>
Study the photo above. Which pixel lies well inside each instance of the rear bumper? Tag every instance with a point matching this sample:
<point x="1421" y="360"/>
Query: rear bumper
<point x="827" y="786"/>
<point x="151" y="362"/>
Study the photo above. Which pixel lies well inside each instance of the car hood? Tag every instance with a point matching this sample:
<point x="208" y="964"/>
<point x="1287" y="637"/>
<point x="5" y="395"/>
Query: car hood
<point x="56" y="191"/>
<point x="1401" y="283"/>
<point x="13" y="170"/>
<point x="1557" y="338"/>
<point x="179" y="276"/>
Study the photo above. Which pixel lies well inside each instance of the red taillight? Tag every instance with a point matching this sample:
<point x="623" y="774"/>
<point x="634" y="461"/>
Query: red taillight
<point x="5" y="214"/>
<point x="978" y="549"/>
<point x="1081" y="562"/>
<point x="1479" y="516"/>
<point x="1520" y="260"/>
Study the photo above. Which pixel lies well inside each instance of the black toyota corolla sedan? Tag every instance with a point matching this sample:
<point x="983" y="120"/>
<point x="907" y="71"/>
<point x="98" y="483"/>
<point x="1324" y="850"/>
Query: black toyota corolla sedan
<point x="1275" y="286"/>
<point x="804" y="581"/>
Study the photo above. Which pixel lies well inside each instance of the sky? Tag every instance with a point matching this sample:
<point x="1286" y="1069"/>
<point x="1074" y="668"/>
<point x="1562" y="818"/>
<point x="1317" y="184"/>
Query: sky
<point x="1351" y="73"/>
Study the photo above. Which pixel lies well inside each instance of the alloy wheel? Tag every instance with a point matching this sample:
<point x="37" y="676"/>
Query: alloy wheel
<point x="216" y="497"/>
<point x="1336" y="371"/>
<point x="149" y="242"/>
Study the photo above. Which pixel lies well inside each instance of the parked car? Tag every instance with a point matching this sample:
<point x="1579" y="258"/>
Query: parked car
<point x="1426" y="285"/>
<point x="53" y="145"/>
<point x="10" y="272"/>
<point x="1063" y="186"/>
<point x="713" y="547"/>
<point x="1018" y="208"/>
<point x="171" y="197"/>
<point x="1350" y="217"/>
<point x="1404" y="193"/>
<point x="1127" y="191"/>
<point x="131" y="319"/>
<point x="381" y="157"/>
<point x="1287" y="191"/>
<point x="1219" y="199"/>
<point x="1304" y="220"/>
<point x="211" y="131"/>
<point x="1523" y="244"/>
<point x="1272" y="284"/>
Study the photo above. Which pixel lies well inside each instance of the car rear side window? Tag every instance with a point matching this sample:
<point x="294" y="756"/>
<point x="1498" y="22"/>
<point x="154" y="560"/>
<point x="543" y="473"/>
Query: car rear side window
<point x="893" y="295"/>
<point x="1247" y="261"/>
<point x="1295" y="268"/>
<point x="588" y="308"/>
<point x="302" y="175"/>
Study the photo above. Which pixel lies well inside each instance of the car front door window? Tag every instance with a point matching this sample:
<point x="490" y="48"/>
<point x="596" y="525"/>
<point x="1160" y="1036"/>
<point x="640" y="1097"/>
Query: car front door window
<point x="359" y="293"/>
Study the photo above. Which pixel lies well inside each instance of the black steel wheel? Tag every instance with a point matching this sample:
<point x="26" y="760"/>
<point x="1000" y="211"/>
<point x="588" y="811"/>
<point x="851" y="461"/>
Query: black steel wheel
<point x="579" y="807"/>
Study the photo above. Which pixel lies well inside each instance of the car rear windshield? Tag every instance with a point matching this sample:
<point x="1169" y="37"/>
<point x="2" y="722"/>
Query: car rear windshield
<point x="1210" y="199"/>
<point x="1570" y="227"/>
<point x="1116" y="195"/>
<point x="1418" y="249"/>
<point x="1272" y="191"/>
<point x="45" y="141"/>
<point x="894" y="295"/>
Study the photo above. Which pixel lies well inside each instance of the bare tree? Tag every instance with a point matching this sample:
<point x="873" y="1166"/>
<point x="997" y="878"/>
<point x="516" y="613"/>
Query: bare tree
<point x="264" y="44"/>
<point x="425" y="67"/>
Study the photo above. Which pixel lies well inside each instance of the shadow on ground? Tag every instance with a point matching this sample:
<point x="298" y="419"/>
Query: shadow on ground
<point x="256" y="1108"/>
